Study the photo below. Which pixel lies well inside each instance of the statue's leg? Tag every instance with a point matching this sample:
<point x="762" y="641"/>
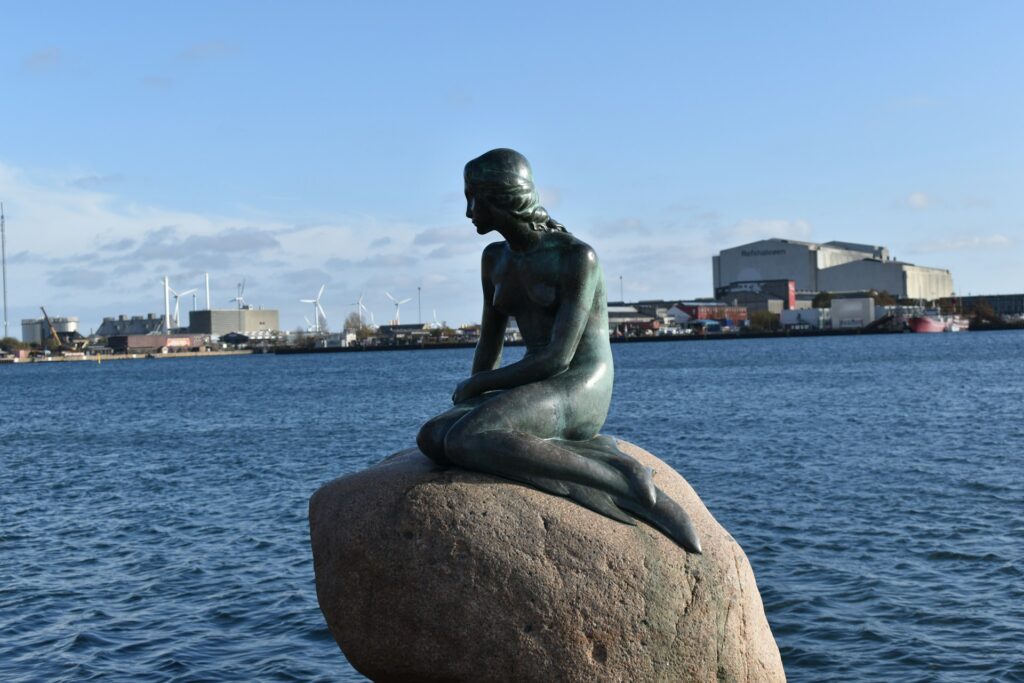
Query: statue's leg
<point x="510" y="434"/>
<point x="430" y="438"/>
<point x="519" y="435"/>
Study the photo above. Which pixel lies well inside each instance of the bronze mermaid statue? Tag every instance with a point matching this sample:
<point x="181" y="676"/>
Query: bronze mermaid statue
<point x="537" y="421"/>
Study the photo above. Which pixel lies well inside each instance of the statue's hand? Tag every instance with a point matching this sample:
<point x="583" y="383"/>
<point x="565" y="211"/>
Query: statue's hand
<point x="464" y="391"/>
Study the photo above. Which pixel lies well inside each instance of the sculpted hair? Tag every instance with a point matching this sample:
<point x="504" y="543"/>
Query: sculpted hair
<point x="504" y="178"/>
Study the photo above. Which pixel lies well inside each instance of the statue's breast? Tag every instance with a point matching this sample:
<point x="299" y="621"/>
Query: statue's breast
<point x="520" y="285"/>
<point x="505" y="298"/>
<point x="542" y="293"/>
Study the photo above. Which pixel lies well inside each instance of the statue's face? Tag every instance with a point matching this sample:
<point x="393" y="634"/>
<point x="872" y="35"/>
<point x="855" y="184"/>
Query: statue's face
<point x="478" y="210"/>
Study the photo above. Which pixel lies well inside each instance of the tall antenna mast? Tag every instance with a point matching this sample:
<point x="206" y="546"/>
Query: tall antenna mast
<point x="3" y="259"/>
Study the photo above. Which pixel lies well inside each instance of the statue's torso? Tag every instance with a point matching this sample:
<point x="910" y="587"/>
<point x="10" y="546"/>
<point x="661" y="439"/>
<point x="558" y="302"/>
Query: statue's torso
<point x="530" y="286"/>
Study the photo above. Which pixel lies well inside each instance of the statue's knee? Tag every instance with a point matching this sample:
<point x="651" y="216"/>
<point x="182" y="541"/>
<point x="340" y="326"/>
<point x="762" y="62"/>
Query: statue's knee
<point x="465" y="444"/>
<point x="457" y="445"/>
<point x="430" y="442"/>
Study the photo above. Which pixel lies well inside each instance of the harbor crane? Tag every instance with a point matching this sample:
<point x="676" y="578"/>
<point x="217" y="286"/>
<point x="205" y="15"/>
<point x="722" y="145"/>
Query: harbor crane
<point x="65" y="345"/>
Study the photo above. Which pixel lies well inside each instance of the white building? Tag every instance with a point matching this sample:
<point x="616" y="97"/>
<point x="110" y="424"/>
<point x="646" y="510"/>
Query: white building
<point x="902" y="280"/>
<point x="852" y="313"/>
<point x="829" y="267"/>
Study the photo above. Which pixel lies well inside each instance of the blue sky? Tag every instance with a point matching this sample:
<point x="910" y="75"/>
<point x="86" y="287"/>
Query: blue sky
<point x="300" y="144"/>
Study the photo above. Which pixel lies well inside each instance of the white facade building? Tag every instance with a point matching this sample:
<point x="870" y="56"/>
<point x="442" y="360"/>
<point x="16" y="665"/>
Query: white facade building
<point x="829" y="267"/>
<point x="903" y="280"/>
<point x="852" y="313"/>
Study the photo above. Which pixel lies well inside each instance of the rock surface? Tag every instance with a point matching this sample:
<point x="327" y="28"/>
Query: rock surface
<point x="430" y="574"/>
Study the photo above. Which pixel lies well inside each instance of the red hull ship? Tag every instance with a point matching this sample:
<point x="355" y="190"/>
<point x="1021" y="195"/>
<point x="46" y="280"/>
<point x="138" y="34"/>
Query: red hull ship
<point x="928" y="323"/>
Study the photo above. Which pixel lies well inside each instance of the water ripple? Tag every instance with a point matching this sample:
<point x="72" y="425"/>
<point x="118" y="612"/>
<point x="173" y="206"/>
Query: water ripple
<point x="154" y="527"/>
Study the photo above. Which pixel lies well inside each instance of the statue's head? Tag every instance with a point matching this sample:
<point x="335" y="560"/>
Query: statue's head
<point x="504" y="180"/>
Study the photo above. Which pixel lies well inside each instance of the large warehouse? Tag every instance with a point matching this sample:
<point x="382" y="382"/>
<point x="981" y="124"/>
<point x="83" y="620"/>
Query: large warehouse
<point x="256" y="323"/>
<point x="829" y="267"/>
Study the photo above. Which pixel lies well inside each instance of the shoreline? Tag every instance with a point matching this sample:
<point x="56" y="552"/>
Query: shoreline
<point x="124" y="356"/>
<point x="433" y="346"/>
<point x="615" y="340"/>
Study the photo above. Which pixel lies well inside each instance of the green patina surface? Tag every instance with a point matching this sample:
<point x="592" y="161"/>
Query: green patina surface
<point x="538" y="420"/>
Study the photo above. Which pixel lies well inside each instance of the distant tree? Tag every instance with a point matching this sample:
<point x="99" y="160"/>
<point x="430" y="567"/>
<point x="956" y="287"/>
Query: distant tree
<point x="354" y="324"/>
<point x="822" y="300"/>
<point x="882" y="298"/>
<point x="764" y="321"/>
<point x="10" y="344"/>
<point x="983" y="312"/>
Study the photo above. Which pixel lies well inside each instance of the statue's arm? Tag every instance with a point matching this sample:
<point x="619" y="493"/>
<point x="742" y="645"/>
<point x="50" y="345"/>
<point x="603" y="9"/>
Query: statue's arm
<point x="492" y="322"/>
<point x="576" y="293"/>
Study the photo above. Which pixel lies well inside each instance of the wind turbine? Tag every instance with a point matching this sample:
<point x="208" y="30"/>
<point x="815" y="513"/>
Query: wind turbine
<point x="397" y="303"/>
<point x="361" y="308"/>
<point x="167" y="306"/>
<point x="177" y="302"/>
<point x="318" y="310"/>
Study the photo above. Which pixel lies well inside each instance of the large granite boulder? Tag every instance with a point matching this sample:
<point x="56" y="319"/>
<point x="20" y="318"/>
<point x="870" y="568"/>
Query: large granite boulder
<point x="433" y="574"/>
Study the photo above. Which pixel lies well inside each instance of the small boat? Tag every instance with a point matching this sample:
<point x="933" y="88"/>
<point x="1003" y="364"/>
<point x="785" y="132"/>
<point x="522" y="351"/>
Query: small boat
<point x="933" y="321"/>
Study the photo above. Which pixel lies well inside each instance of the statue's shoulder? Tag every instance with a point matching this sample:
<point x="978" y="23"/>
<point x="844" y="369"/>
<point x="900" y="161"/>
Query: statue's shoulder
<point x="492" y="252"/>
<point x="580" y="251"/>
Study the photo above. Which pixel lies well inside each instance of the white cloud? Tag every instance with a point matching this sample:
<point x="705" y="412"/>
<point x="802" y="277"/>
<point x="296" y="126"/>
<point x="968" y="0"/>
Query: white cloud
<point x="200" y="52"/>
<point x="42" y="60"/>
<point x="918" y="200"/>
<point x="633" y="227"/>
<point x="157" y="82"/>
<point x="753" y="229"/>
<point x="550" y="196"/>
<point x="93" y="253"/>
<point x="671" y="257"/>
<point x="963" y="243"/>
<point x="80" y="278"/>
<point x="447" y="235"/>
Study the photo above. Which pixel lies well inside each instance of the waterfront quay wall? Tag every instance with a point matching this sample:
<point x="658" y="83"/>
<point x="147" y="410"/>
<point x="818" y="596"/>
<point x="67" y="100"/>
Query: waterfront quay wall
<point x="614" y="340"/>
<point x="123" y="356"/>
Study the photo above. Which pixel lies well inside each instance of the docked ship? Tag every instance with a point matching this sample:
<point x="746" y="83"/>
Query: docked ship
<point x="933" y="321"/>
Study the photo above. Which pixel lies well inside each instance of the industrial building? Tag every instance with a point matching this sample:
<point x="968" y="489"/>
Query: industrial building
<point x="155" y="343"/>
<point x="36" y="330"/>
<point x="255" y="323"/>
<point x="1003" y="305"/>
<point x="829" y="267"/>
<point x="773" y="296"/>
<point x="687" y="312"/>
<point x="629" y="320"/>
<point x="406" y="333"/>
<point x="124" y="325"/>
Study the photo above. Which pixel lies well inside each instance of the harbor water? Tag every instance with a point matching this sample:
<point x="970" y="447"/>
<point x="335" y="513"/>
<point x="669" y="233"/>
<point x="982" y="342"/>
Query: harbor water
<point x="153" y="514"/>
